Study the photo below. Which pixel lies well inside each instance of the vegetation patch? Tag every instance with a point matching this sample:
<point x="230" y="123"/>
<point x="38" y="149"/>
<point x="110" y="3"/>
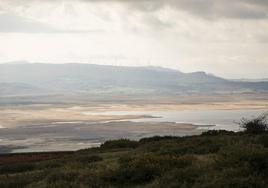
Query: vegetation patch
<point x="214" y="159"/>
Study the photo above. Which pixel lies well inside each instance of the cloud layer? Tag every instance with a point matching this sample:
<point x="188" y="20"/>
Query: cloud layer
<point x="211" y="9"/>
<point x="239" y="9"/>
<point x="160" y="14"/>
<point x="211" y="35"/>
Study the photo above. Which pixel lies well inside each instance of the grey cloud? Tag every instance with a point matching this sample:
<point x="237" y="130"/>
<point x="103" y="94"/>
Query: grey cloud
<point x="11" y="23"/>
<point x="203" y="9"/>
<point x="209" y="9"/>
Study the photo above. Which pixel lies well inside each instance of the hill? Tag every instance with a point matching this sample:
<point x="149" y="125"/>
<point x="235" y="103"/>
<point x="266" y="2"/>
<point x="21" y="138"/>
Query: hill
<point x="17" y="88"/>
<point x="216" y="159"/>
<point x="96" y="79"/>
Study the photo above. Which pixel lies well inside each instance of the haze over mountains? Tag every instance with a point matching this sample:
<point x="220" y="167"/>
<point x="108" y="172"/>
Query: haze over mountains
<point x="33" y="78"/>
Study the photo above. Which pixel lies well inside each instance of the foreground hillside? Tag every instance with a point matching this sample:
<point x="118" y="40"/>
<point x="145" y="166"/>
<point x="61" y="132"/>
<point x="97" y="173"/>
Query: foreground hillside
<point x="216" y="159"/>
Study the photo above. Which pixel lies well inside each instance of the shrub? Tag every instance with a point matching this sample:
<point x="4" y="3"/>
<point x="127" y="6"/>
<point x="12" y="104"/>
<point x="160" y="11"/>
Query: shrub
<point x="263" y="140"/>
<point x="145" y="168"/>
<point x="255" y="125"/>
<point x="16" y="168"/>
<point x="215" y="159"/>
<point x="179" y="178"/>
<point x="61" y="175"/>
<point x="156" y="139"/>
<point x="16" y="181"/>
<point x="217" y="133"/>
<point x="197" y="145"/>
<point x="258" y="161"/>
<point x="252" y="159"/>
<point x="85" y="159"/>
<point x="121" y="143"/>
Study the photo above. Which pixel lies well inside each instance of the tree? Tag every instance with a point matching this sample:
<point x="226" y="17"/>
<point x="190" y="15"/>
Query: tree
<point x="255" y="125"/>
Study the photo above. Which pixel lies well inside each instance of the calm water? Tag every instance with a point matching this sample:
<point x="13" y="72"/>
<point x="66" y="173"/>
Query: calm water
<point x="54" y="136"/>
<point x="222" y="119"/>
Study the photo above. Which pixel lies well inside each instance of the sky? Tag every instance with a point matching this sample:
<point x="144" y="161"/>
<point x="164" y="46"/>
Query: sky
<point x="222" y="37"/>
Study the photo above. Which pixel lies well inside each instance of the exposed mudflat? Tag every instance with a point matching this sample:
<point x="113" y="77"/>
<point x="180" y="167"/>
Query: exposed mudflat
<point x="53" y="127"/>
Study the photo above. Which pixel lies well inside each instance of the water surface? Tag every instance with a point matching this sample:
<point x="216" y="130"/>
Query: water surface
<point x="222" y="119"/>
<point x="73" y="135"/>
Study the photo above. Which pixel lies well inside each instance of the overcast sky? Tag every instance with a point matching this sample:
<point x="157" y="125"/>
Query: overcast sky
<point x="223" y="37"/>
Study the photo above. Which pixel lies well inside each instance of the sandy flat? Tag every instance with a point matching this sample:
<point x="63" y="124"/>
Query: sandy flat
<point x="22" y="115"/>
<point x="82" y="135"/>
<point x="48" y="127"/>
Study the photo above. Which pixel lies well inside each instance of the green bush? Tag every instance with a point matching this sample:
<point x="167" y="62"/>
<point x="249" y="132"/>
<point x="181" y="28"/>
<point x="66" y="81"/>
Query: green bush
<point x="255" y="125"/>
<point x="216" y="159"/>
<point x="258" y="161"/>
<point x="121" y="143"/>
<point x="178" y="178"/>
<point x="263" y="140"/>
<point x="217" y="133"/>
<point x="86" y="159"/>
<point x="145" y="168"/>
<point x="16" y="168"/>
<point x="193" y="145"/>
<point x="60" y="175"/>
<point x="156" y="139"/>
<point x="14" y="182"/>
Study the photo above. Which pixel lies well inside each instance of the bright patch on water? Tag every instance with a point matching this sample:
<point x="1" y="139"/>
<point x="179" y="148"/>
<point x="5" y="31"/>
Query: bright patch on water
<point x="223" y="119"/>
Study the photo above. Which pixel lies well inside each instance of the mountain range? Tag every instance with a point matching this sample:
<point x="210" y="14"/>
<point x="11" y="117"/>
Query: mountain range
<point x="37" y="78"/>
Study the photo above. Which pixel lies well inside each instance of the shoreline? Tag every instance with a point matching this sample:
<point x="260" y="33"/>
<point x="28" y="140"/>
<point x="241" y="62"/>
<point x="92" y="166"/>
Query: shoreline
<point x="50" y="127"/>
<point x="12" y="117"/>
<point x="81" y="136"/>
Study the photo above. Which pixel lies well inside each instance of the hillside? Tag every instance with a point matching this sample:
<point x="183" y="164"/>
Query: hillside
<point x="89" y="78"/>
<point x="17" y="88"/>
<point x="216" y="159"/>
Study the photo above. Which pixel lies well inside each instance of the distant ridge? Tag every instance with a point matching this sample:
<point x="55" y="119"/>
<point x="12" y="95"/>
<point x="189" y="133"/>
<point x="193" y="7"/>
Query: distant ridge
<point x="17" y="62"/>
<point x="92" y="78"/>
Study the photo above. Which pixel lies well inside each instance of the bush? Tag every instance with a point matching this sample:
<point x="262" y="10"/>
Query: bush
<point x="86" y="159"/>
<point x="59" y="175"/>
<point x="16" y="168"/>
<point x="147" y="167"/>
<point x="156" y="139"/>
<point x="255" y="125"/>
<point x="258" y="161"/>
<point x="121" y="143"/>
<point x="194" y="145"/>
<point x="217" y="133"/>
<point x="251" y="159"/>
<point x="263" y="140"/>
<point x="179" y="178"/>
<point x="16" y="181"/>
<point x="215" y="159"/>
